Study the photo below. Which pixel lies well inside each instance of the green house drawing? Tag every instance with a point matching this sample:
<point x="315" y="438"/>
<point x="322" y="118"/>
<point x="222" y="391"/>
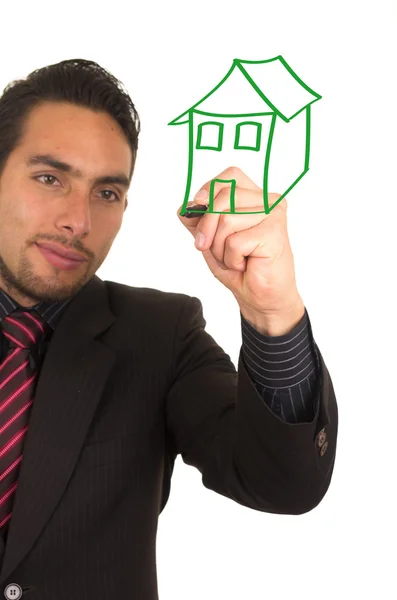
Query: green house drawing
<point x="259" y="117"/>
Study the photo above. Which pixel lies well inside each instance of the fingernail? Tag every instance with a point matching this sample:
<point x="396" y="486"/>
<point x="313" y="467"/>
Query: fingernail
<point x="199" y="240"/>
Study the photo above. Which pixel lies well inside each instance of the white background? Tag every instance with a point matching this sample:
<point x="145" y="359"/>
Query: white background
<point x="341" y="221"/>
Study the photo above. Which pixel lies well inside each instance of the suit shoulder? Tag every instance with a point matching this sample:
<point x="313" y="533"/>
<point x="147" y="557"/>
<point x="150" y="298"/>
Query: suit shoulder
<point x="143" y="297"/>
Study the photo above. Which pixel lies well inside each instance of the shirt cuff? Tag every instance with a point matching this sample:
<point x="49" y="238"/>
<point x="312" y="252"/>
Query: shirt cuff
<point x="284" y="369"/>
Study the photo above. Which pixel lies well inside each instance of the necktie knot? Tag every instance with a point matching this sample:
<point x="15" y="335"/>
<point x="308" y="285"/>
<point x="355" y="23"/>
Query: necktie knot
<point x="24" y="329"/>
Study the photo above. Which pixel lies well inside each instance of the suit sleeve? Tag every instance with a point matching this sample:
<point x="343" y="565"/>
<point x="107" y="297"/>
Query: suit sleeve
<point x="284" y="369"/>
<point x="219" y="424"/>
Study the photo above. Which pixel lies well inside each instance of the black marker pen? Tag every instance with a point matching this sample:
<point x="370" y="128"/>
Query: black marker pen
<point x="189" y="214"/>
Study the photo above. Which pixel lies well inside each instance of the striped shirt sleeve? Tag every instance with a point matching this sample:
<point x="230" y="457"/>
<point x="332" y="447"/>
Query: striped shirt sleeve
<point x="284" y="369"/>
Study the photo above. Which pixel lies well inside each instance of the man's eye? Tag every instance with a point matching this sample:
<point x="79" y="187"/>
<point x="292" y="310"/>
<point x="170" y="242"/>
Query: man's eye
<point x="111" y="192"/>
<point x="46" y="175"/>
<point x="117" y="198"/>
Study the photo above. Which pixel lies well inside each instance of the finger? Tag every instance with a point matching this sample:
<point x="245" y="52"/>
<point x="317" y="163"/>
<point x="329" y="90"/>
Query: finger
<point x="200" y="208"/>
<point x="228" y="225"/>
<point x="247" y="201"/>
<point x="192" y="222"/>
<point x="233" y="277"/>
<point x="256" y="243"/>
<point x="215" y="231"/>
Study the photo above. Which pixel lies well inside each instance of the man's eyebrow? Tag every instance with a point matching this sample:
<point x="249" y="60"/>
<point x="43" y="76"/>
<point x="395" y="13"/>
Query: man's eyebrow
<point x="51" y="161"/>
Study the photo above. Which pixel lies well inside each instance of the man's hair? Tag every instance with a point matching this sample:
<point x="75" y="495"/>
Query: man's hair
<point x="78" y="81"/>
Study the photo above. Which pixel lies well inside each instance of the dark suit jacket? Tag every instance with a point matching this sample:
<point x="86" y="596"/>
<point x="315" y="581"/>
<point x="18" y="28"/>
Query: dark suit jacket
<point x="130" y="380"/>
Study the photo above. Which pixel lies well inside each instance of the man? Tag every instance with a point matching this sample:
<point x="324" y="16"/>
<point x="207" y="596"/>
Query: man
<point x="102" y="385"/>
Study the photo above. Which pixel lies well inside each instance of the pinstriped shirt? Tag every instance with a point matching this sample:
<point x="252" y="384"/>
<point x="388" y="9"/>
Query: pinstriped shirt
<point x="284" y="369"/>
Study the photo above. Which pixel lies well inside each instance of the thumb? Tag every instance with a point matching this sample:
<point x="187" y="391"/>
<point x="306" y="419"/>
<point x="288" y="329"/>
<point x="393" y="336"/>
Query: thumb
<point x="191" y="222"/>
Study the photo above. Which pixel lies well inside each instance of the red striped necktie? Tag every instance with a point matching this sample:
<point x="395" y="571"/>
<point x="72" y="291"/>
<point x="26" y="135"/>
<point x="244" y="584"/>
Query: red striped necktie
<point x="24" y="330"/>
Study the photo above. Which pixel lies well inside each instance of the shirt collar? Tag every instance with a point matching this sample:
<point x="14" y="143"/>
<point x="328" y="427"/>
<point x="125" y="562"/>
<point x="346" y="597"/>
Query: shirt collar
<point x="51" y="312"/>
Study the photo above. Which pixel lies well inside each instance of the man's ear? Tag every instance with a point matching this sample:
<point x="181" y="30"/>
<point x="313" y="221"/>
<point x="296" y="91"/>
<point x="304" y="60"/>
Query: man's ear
<point x="126" y="202"/>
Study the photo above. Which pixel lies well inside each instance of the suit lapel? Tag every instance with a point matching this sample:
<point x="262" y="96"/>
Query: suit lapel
<point x="72" y="377"/>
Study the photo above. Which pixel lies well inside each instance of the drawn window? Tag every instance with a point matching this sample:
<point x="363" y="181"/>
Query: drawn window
<point x="248" y="136"/>
<point x="210" y="136"/>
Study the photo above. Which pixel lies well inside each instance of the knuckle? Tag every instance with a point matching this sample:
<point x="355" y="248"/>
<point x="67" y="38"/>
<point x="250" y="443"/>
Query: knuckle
<point x="234" y="171"/>
<point x="224" y="195"/>
<point x="225" y="221"/>
<point x="231" y="242"/>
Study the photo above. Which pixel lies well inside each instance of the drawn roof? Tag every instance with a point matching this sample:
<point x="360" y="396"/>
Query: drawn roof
<point x="263" y="86"/>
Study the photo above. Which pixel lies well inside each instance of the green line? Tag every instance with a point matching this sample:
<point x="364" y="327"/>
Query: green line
<point x="290" y="188"/>
<point x="258" y="126"/>
<point x="205" y="97"/>
<point x="284" y="194"/>
<point x="220" y="126"/>
<point x="256" y="62"/>
<point x="193" y="110"/>
<point x="190" y="165"/>
<point x="286" y="65"/>
<point x="304" y="108"/>
<point x="181" y="122"/>
<point x="262" y="95"/>
<point x="308" y="121"/>
<point x="267" y="165"/>
<point x="291" y="72"/>
<point x="210" y="114"/>
<point x="298" y="79"/>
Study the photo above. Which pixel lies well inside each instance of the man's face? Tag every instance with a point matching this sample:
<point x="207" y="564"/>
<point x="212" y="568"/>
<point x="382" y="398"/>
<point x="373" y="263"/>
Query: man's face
<point x="41" y="203"/>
